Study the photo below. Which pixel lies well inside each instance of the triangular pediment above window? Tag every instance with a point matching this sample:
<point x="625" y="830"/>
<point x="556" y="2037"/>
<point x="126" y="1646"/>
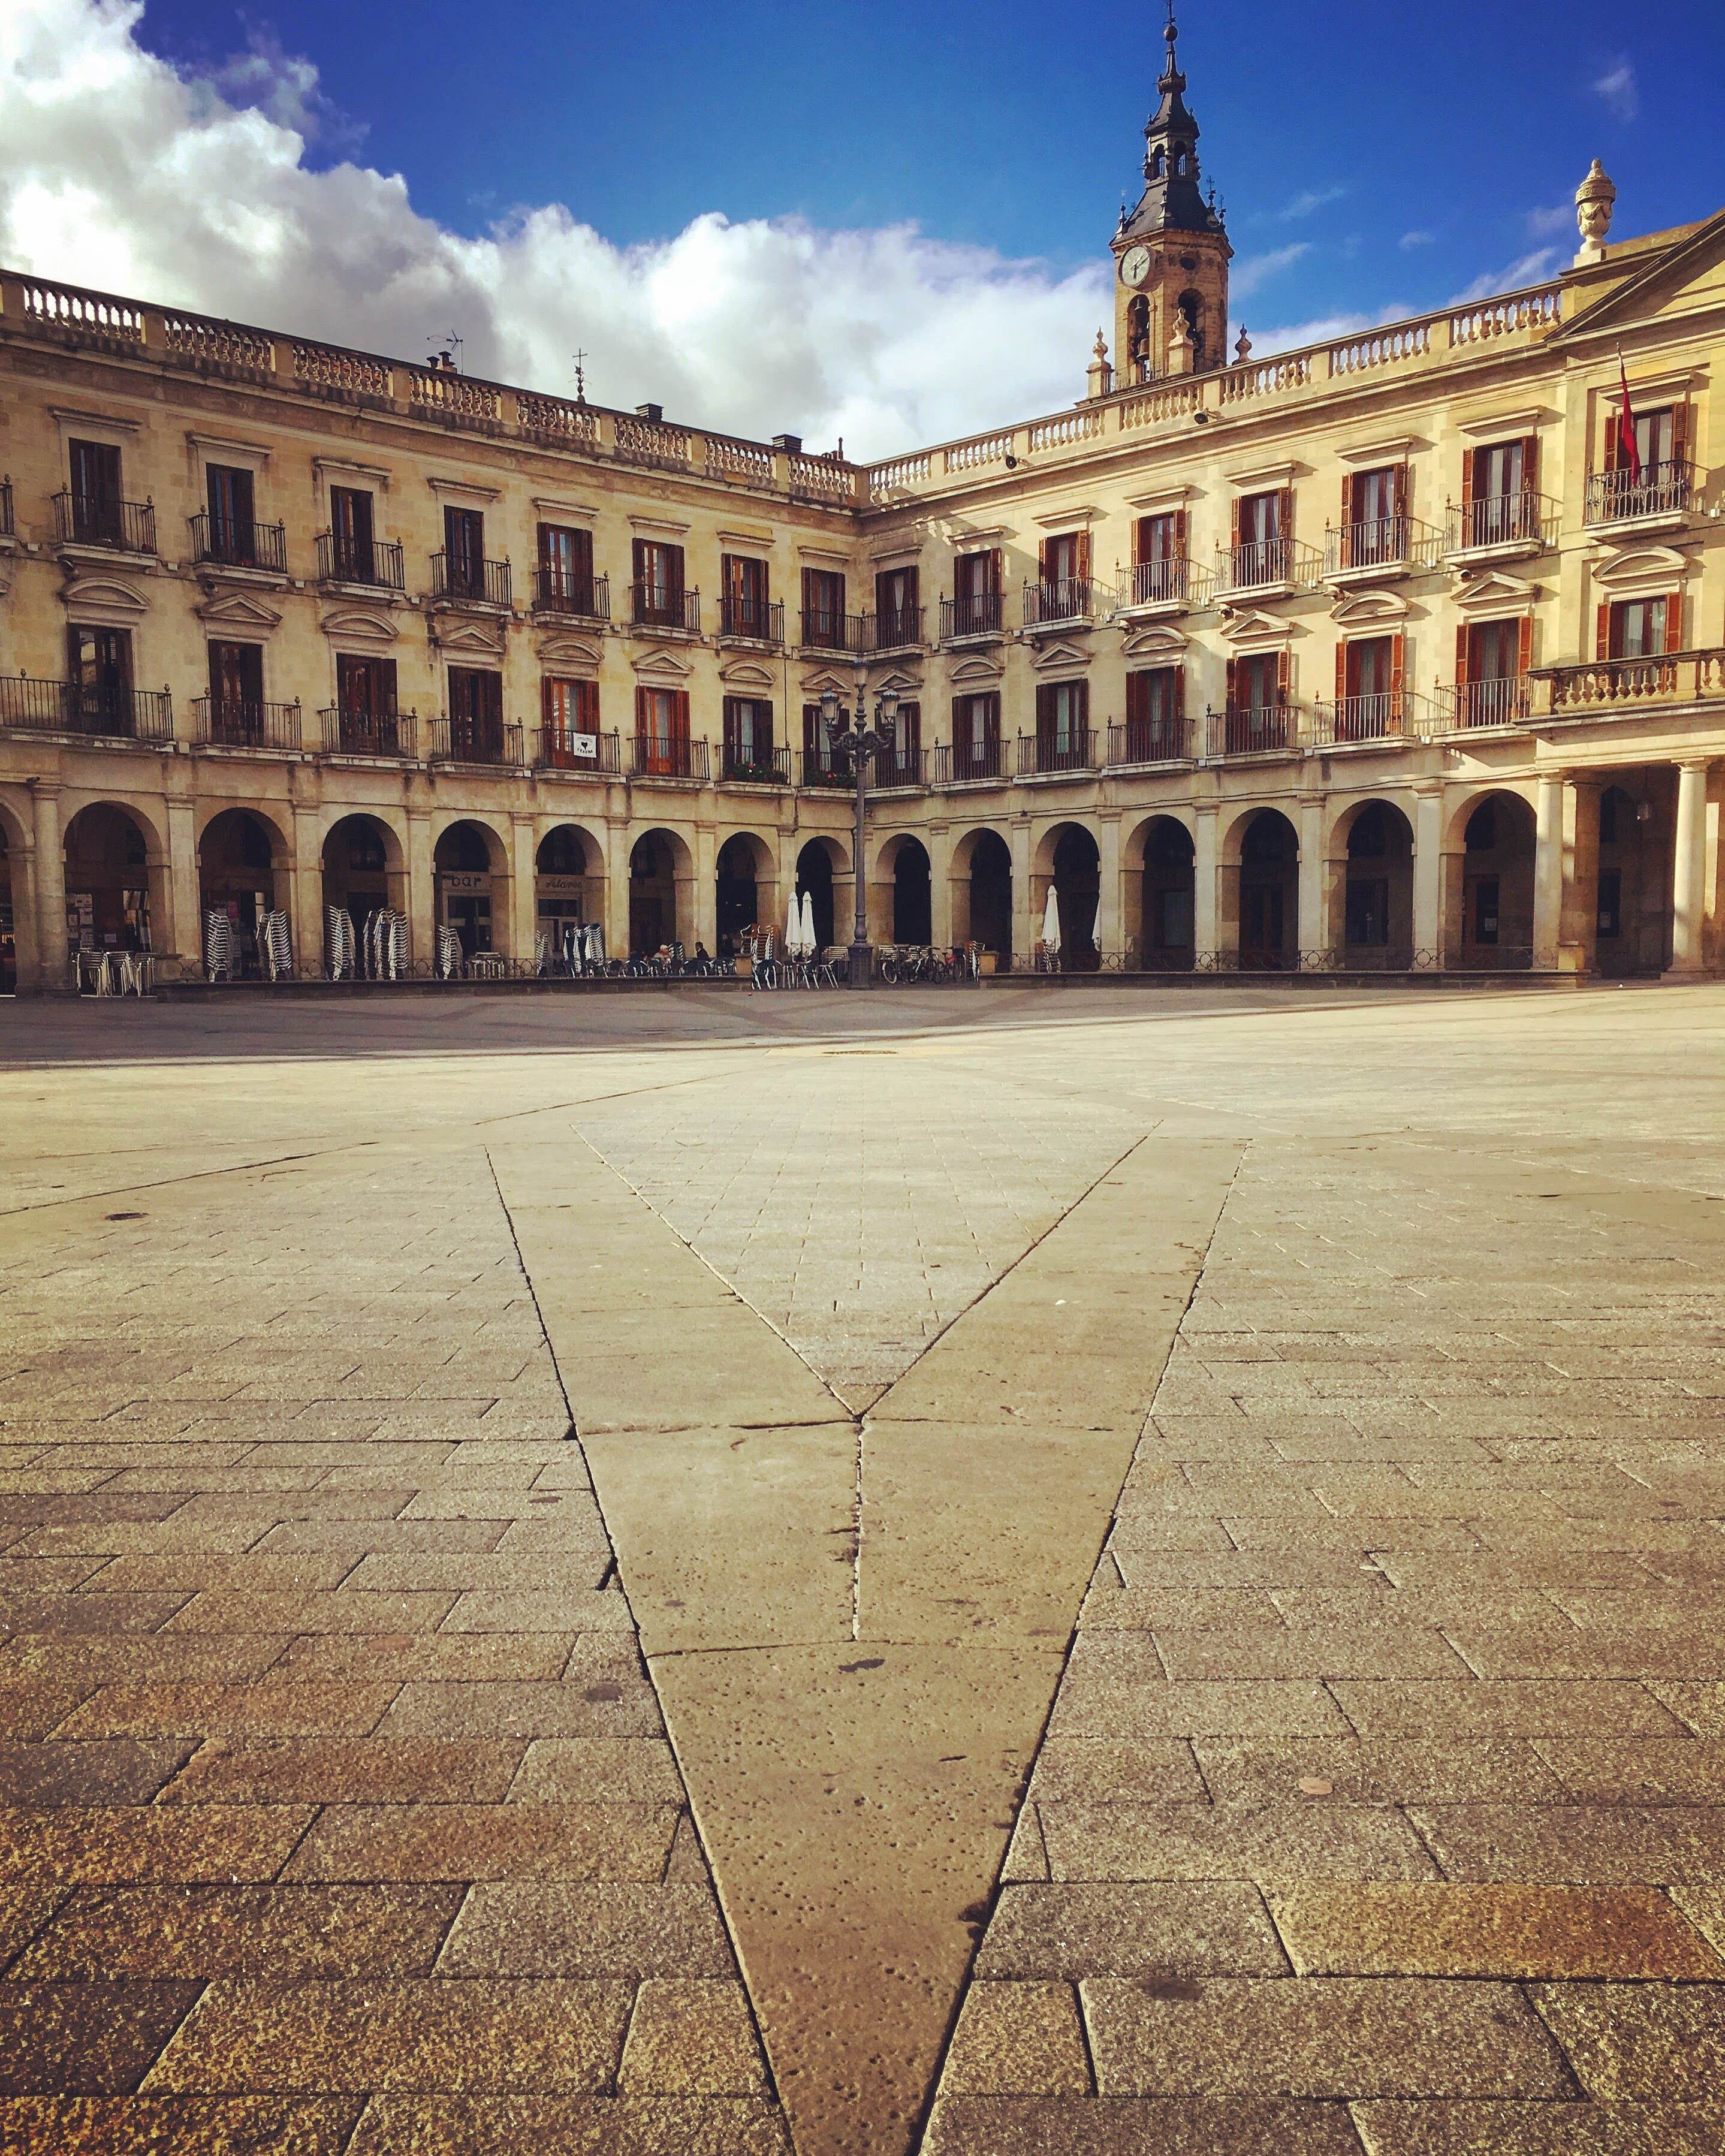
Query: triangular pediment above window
<point x="358" y="625"/>
<point x="1368" y="609"/>
<point x="554" y="650"/>
<point x="979" y="672"/>
<point x="240" y="610"/>
<point x="1659" y="568"/>
<point x="1061" y="655"/>
<point x="1682" y="278"/>
<point x="1495" y="588"/>
<point x="815" y="684"/>
<point x="660" y="665"/>
<point x="901" y="683"/>
<point x="469" y="634"/>
<point x="1255" y="626"/>
<point x="1155" y="643"/>
<point x="115" y="595"/>
<point x="746" y="677"/>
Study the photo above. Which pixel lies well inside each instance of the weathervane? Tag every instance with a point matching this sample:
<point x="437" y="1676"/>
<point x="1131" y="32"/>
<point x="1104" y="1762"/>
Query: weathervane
<point x="581" y="377"/>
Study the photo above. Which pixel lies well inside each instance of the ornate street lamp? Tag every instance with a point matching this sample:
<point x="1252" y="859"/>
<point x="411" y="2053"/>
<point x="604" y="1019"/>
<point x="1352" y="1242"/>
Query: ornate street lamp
<point x="852" y="746"/>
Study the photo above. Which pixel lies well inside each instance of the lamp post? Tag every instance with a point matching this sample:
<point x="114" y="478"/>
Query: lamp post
<point x="852" y="747"/>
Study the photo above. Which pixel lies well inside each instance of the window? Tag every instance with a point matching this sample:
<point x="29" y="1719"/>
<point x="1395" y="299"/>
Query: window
<point x="1066" y="558"/>
<point x="1498" y="501"/>
<point x="748" y="737"/>
<point x="746" y="603"/>
<point x="900" y="764"/>
<point x="897" y="608"/>
<point x="565" y="569"/>
<point x="1368" y="687"/>
<point x="1154" y="712"/>
<point x="464" y="552"/>
<point x="1373" y="519"/>
<point x="572" y="722"/>
<point x="351" y="559"/>
<point x="1492" y="661"/>
<point x="236" y="692"/>
<point x="1062" y="727"/>
<point x="1156" y="538"/>
<point x="659" y="584"/>
<point x="824" y="609"/>
<point x="1159" y="557"/>
<point x="96" y="515"/>
<point x="1641" y="628"/>
<point x="1257" y="717"/>
<point x="233" y="529"/>
<point x="1260" y="530"/>
<point x="975" y="594"/>
<point x="99" y="668"/>
<point x="820" y="764"/>
<point x="976" y="736"/>
<point x="365" y="705"/>
<point x="476" y="713"/>
<point x="662" y="730"/>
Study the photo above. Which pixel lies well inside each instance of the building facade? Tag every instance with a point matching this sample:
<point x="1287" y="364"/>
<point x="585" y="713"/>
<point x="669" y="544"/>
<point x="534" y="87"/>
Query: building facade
<point x="1404" y="651"/>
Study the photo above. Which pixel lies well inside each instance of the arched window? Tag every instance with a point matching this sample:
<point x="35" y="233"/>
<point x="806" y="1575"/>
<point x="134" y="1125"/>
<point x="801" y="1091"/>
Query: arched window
<point x="1191" y="306"/>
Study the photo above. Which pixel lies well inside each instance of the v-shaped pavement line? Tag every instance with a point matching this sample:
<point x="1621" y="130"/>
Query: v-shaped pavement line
<point x="856" y="1629"/>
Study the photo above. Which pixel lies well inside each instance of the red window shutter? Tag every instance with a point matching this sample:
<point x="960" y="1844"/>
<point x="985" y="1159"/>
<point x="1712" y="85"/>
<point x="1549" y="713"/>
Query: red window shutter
<point x="809" y="591"/>
<point x="728" y="724"/>
<point x="679" y="714"/>
<point x="1341" y="671"/>
<point x="1233" y="666"/>
<point x="1673" y="622"/>
<point x="1680" y="433"/>
<point x="583" y="554"/>
<point x="1179" y="688"/>
<point x="1284" y="671"/>
<point x="811" y="729"/>
<point x="1398" y="490"/>
<point x="1602" y="638"/>
<point x="1285" y="514"/>
<point x="1612" y="402"/>
<point x="1082" y="552"/>
<point x="1045" y="706"/>
<point x="997" y="572"/>
<point x="1140" y="541"/>
<point x="1179" y="535"/>
<point x="548" y="699"/>
<point x="1137" y="699"/>
<point x="640" y="559"/>
<point x="1347" y="514"/>
<point x="1397" y="671"/>
<point x="587" y="707"/>
<point x="1042" y="576"/>
<point x="1530" y="464"/>
<point x="1234" y="541"/>
<point x="1462" y="649"/>
<point x="1081" y="702"/>
<point x="1524" y="644"/>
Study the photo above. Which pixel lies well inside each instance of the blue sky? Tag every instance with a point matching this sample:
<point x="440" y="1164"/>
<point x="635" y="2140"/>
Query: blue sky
<point x="1340" y="131"/>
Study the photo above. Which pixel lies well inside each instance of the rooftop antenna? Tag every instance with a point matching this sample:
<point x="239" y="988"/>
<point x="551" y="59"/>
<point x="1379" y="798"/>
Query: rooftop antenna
<point x="581" y="377"/>
<point x="442" y="360"/>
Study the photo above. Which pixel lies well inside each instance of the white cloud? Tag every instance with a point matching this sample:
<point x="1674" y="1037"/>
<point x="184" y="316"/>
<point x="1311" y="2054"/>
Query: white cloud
<point x="1416" y="239"/>
<point x="1310" y="199"/>
<point x="285" y="87"/>
<point x="1618" y="87"/>
<point x="123" y="173"/>
<point x="1252" y="271"/>
<point x="1548" y="223"/>
<point x="1526" y="269"/>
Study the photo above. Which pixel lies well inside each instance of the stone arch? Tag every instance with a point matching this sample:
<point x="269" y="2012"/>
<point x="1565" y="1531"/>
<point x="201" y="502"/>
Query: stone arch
<point x="1259" y="891"/>
<point x="745" y="891"/>
<point x="363" y="867"/>
<point x="18" y="897"/>
<point x="473" y="883"/>
<point x="820" y="862"/>
<point x="1368" y="885"/>
<point x="903" y="890"/>
<point x="568" y="882"/>
<point x="981" y="874"/>
<point x="245" y="866"/>
<point x="1489" y="881"/>
<point x="1161" y="862"/>
<point x="118" y="895"/>
<point x="661" y="891"/>
<point x="1069" y="860"/>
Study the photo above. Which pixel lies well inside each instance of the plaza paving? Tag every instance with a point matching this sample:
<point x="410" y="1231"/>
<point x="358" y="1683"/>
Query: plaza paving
<point x="1004" y="1572"/>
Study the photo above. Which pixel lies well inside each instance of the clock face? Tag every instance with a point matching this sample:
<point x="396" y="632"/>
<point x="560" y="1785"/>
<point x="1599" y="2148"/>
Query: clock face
<point x="1135" y="265"/>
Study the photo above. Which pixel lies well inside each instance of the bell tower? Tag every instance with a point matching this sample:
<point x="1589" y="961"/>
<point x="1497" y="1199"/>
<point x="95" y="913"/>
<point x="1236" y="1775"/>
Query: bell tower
<point x="1171" y="253"/>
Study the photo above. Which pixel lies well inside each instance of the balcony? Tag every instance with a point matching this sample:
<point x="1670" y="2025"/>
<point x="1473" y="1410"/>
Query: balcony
<point x="1616" y="688"/>
<point x="655" y="756"/>
<point x="1150" y="740"/>
<point x="1269" y="568"/>
<point x="92" y="711"/>
<point x="1067" y="602"/>
<point x="569" y="596"/>
<point x="823" y="631"/>
<point x="816" y="770"/>
<point x="239" y="543"/>
<point x="1243" y="731"/>
<point x="1497" y="526"/>
<point x="1661" y="495"/>
<point x="899" y="766"/>
<point x="898" y="629"/>
<point x="762" y="767"/>
<point x="1381" y="546"/>
<point x="375" y="565"/>
<point x="245" y="722"/>
<point x="458" y="580"/>
<point x="1167" y="586"/>
<point x="487" y="744"/>
<point x="1055" y="755"/>
<point x="94" y="519"/>
<point x="1386" y="719"/>
<point x="978" y="614"/>
<point x="677" y="614"/>
<point x="389" y="734"/>
<point x="751" y="621"/>
<point x="584" y="755"/>
<point x="1498" y="702"/>
<point x="970" y="763"/>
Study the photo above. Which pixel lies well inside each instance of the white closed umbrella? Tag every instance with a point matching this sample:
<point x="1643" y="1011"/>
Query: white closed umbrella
<point x="809" y="944"/>
<point x="792" y="927"/>
<point x="1051" y="922"/>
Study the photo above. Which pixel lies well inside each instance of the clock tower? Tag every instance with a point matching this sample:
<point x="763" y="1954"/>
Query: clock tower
<point x="1171" y="253"/>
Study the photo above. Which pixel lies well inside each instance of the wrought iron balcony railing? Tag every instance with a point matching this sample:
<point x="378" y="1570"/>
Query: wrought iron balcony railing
<point x="1041" y="755"/>
<point x="817" y="768"/>
<point x="898" y="766"/>
<point x="898" y="629"/>
<point x="561" y="592"/>
<point x="651" y="606"/>
<point x="375" y="563"/>
<point x="1521" y="519"/>
<point x="1386" y="716"/>
<point x="752" y="621"/>
<point x="100" y="520"/>
<point x="1663" y="489"/>
<point x="239" y="542"/>
<point x="970" y="763"/>
<point x="557" y="748"/>
<point x="463" y="582"/>
<point x="492" y="743"/>
<point x="976" y="613"/>
<point x="368" y="733"/>
<point x="1500" y="701"/>
<point x="1269" y="564"/>
<point x="1067" y="599"/>
<point x="1603" y="687"/>
<point x="823" y="631"/>
<point x="92" y="709"/>
<point x="1173" y="581"/>
<point x="1250" y="729"/>
<point x="245" y="722"/>
<point x="1381" y="542"/>
<point x="1152" y="740"/>
<point x="654" y="756"/>
<point x="742" y="766"/>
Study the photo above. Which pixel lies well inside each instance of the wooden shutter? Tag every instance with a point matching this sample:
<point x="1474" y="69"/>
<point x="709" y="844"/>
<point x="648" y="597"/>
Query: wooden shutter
<point x="1398" y="490"/>
<point x="1233" y="698"/>
<point x="582" y="542"/>
<point x="1614" y="420"/>
<point x="1179" y="695"/>
<point x="1179" y="535"/>
<point x="1081" y="706"/>
<point x="814" y="732"/>
<point x="1284" y="672"/>
<point x="587" y="707"/>
<point x="1082" y="554"/>
<point x="1233" y="541"/>
<point x="1469" y="457"/>
<point x="1524" y="645"/>
<point x="640" y="561"/>
<point x="1285" y="513"/>
<point x="729" y="724"/>
<point x="1341" y="671"/>
<point x="680" y="715"/>
<point x="1674" y="621"/>
<point x="1137" y="699"/>
<point x="1463" y="651"/>
<point x="548" y="702"/>
<point x="1530" y="464"/>
<point x="643" y="708"/>
<point x="1602" y="636"/>
<point x="1680" y="433"/>
<point x="1398" y="670"/>
<point x="1045" y="708"/>
<point x="1141" y="543"/>
<point x="1042" y="563"/>
<point x="1347" y="514"/>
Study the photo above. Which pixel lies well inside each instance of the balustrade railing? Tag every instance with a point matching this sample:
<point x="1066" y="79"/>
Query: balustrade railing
<point x="752" y="621"/>
<point x="1523" y="518"/>
<point x="455" y="738"/>
<point x="1042" y="755"/>
<point x="1063" y="598"/>
<point x="977" y="613"/>
<point x="575" y="424"/>
<point x="239" y="542"/>
<point x="561" y="591"/>
<point x="350" y="732"/>
<point x="659" y="756"/>
<point x="468" y="581"/>
<point x="101" y="520"/>
<point x="1250" y="729"/>
<point x="98" y="710"/>
<point x="245" y="722"/>
<point x="1152" y="740"/>
<point x="970" y="763"/>
<point x="743" y="764"/>
<point x="378" y="564"/>
<point x="1662" y="489"/>
<point x="1604" y="686"/>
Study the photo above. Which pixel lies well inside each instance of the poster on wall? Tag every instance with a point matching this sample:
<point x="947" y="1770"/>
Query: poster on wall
<point x="80" y="920"/>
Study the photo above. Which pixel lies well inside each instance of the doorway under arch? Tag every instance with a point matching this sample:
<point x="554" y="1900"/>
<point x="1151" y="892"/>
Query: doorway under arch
<point x="991" y="896"/>
<point x="1376" y="892"/>
<point x="1170" y="883"/>
<point x="814" y="875"/>
<point x="1077" y="867"/>
<point x="1632" y="912"/>
<point x="236" y="876"/>
<point x="657" y="869"/>
<point x="1269" y="894"/>
<point x="737" y="893"/>
<point x="108" y="880"/>
<point x="912" y="894"/>
<point x="8" y="937"/>
<point x="362" y="871"/>
<point x="466" y="860"/>
<point x="1497" y="884"/>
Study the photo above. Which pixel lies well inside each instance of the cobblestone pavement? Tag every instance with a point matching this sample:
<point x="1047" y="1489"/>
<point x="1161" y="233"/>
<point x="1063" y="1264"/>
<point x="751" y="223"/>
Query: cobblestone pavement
<point x="1120" y="1573"/>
